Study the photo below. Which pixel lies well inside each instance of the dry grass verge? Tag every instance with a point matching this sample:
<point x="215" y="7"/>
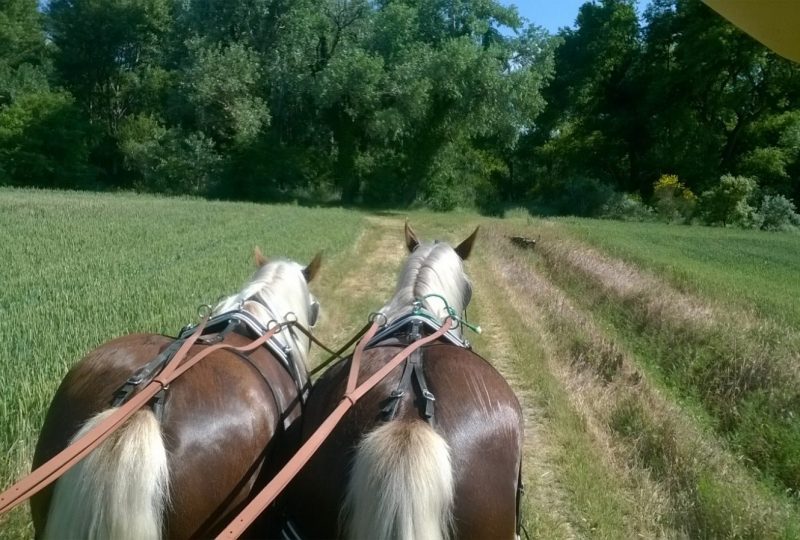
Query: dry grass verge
<point x="745" y="371"/>
<point x="710" y="493"/>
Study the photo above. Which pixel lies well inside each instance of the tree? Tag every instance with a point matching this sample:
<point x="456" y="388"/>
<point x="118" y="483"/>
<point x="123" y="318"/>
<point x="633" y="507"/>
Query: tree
<point x="109" y="56"/>
<point x="44" y="139"/>
<point x="592" y="124"/>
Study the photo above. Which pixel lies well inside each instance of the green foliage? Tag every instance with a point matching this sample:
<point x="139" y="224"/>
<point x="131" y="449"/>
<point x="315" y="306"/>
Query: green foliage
<point x="577" y="196"/>
<point x="777" y="213"/>
<point x="220" y="85"/>
<point x="21" y="36"/>
<point x="44" y="141"/>
<point x="168" y="160"/>
<point x="680" y="90"/>
<point x="673" y="201"/>
<point x="774" y="158"/>
<point x="382" y="102"/>
<point x="626" y="207"/>
<point x="769" y="433"/>
<point x="727" y="203"/>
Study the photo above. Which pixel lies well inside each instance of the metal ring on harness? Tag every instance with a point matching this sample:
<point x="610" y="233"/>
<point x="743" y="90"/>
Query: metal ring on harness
<point x="375" y="315"/>
<point x="272" y="323"/>
<point x="204" y="310"/>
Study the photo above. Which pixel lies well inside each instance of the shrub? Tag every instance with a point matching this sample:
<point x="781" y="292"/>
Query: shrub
<point x="777" y="213"/>
<point x="626" y="207"/>
<point x="168" y="160"/>
<point x="727" y="202"/>
<point x="672" y="199"/>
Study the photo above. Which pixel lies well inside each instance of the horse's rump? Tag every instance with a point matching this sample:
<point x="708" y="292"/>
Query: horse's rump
<point x="476" y="413"/>
<point x="219" y="420"/>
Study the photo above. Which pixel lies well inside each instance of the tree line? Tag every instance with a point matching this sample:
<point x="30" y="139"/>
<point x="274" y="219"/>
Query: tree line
<point x="442" y="103"/>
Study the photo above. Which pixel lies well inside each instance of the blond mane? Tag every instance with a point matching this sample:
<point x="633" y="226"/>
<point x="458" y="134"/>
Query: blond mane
<point x="432" y="268"/>
<point x="277" y="291"/>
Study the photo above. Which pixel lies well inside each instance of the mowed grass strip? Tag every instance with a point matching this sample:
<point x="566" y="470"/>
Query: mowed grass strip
<point x="78" y="269"/>
<point x="742" y="370"/>
<point x="710" y="493"/>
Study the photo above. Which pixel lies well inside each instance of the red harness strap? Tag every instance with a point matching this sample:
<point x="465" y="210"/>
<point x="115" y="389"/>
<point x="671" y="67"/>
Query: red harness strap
<point x="351" y="396"/>
<point x="50" y="471"/>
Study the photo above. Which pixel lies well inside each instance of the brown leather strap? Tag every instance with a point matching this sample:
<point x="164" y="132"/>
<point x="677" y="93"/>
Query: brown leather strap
<point x="355" y="363"/>
<point x="54" y="468"/>
<point x="352" y="395"/>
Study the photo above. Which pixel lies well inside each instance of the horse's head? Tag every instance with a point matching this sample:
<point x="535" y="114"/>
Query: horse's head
<point x="279" y="288"/>
<point x="433" y="274"/>
<point x="278" y="291"/>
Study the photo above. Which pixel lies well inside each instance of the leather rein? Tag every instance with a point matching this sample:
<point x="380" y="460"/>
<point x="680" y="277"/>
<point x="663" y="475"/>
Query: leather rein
<point x="351" y="396"/>
<point x="59" y="464"/>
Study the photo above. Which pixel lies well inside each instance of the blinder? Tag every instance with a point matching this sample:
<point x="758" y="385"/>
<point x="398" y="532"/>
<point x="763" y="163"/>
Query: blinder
<point x="313" y="312"/>
<point x="467" y="294"/>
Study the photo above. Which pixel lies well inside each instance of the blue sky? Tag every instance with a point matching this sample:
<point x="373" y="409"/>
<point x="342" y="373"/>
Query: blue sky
<point x="552" y="14"/>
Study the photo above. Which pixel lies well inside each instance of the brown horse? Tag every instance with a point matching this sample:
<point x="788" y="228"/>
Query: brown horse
<point x="434" y="451"/>
<point x="178" y="469"/>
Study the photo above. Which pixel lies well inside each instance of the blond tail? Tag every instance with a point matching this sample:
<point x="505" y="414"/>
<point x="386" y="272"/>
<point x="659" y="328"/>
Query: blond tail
<point x="118" y="491"/>
<point x="401" y="485"/>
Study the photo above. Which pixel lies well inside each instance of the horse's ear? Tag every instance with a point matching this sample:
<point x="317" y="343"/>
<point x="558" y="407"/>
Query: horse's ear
<point x="259" y="259"/>
<point x="465" y="247"/>
<point x="313" y="267"/>
<point x="411" y="238"/>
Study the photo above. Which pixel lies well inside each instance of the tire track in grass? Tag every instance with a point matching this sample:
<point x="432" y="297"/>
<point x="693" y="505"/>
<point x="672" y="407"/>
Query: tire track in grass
<point x="544" y="499"/>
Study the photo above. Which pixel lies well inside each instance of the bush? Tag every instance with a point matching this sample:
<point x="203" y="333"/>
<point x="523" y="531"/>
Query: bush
<point x="168" y="160"/>
<point x="626" y="207"/>
<point x="461" y="177"/>
<point x="777" y="213"/>
<point x="44" y="141"/>
<point x="727" y="202"/>
<point x="673" y="200"/>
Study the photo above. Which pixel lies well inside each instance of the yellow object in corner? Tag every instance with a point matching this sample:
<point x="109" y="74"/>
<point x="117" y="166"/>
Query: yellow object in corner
<point x="775" y="23"/>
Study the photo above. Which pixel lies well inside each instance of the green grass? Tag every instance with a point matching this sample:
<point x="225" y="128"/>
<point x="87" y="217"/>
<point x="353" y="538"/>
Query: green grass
<point x="741" y="267"/>
<point x="78" y="269"/>
<point x="741" y="371"/>
<point x="706" y="482"/>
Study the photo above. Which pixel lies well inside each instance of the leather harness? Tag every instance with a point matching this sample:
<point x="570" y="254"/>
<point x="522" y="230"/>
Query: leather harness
<point x="216" y="331"/>
<point x="412" y="368"/>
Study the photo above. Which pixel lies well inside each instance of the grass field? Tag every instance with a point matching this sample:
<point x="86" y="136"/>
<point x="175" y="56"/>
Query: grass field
<point x="657" y="365"/>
